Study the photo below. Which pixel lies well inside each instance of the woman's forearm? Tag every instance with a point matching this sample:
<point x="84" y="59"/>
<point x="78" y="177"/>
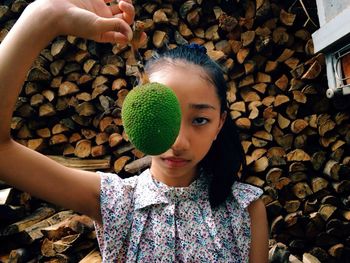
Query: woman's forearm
<point x="32" y="32"/>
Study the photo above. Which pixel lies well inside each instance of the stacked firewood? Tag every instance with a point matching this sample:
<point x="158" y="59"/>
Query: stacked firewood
<point x="296" y="141"/>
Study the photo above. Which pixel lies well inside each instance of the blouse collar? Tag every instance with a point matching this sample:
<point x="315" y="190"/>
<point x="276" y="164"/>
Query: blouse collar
<point x="152" y="192"/>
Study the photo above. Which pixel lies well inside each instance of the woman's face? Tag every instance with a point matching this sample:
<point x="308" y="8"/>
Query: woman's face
<point x="200" y="124"/>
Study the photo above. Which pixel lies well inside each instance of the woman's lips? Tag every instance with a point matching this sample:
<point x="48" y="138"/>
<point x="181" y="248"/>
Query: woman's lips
<point x="175" y="162"/>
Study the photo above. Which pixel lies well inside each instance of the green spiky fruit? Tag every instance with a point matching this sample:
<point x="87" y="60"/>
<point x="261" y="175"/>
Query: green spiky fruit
<point x="151" y="117"/>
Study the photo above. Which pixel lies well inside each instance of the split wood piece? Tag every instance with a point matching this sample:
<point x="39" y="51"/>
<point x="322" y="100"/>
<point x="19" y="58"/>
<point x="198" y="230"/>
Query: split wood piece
<point x="282" y="82"/>
<point x="336" y="251"/>
<point x="159" y="38"/>
<point x="283" y="122"/>
<point x="332" y="169"/>
<point x="247" y="38"/>
<point x="48" y="94"/>
<point x="75" y="137"/>
<point x="341" y="187"/>
<point x="58" y="139"/>
<point x="242" y="54"/>
<point x="301" y="190"/>
<point x="53" y="248"/>
<point x="68" y="150"/>
<point x="93" y="257"/>
<point x="44" y="133"/>
<point x="292" y="62"/>
<point x="39" y="214"/>
<point x="97" y="150"/>
<point x="67" y="88"/>
<point x="243" y="123"/>
<point x="261" y="164"/>
<point x="318" y="184"/>
<point x="280" y="100"/>
<point x="46" y="110"/>
<point x="101" y="138"/>
<point x="298" y="155"/>
<point x="292" y="206"/>
<point x="58" y="47"/>
<point x="254" y="180"/>
<point x="273" y="175"/>
<point x="115" y="139"/>
<point x="38" y="73"/>
<point x="298" y="125"/>
<point x="85" y="164"/>
<point x="74" y="224"/>
<point x="271" y="66"/>
<point x="313" y="72"/>
<point x="326" y="211"/>
<point x="5" y="195"/>
<point x="268" y="125"/>
<point x="33" y="232"/>
<point x="249" y="95"/>
<point x="138" y="165"/>
<point x="119" y="83"/>
<point x="120" y="163"/>
<point x="287" y="18"/>
<point x="37" y="144"/>
<point x="247" y="81"/>
<point x="283" y="140"/>
<point x="238" y="106"/>
<point x="123" y="149"/>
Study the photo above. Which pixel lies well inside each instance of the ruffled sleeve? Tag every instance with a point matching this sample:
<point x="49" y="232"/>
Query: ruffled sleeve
<point x="116" y="200"/>
<point x="242" y="195"/>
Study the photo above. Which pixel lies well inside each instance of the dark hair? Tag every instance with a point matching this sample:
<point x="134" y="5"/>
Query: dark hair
<point x="226" y="155"/>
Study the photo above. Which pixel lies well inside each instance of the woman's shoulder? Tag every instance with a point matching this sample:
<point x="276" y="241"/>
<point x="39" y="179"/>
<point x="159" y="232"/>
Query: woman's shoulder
<point x="244" y="194"/>
<point x="115" y="190"/>
<point x="113" y="179"/>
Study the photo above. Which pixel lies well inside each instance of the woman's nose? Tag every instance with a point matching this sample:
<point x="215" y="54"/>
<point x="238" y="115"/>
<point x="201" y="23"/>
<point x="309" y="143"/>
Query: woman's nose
<point x="182" y="141"/>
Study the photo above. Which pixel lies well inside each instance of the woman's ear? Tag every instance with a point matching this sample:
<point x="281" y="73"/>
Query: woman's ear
<point x="223" y="117"/>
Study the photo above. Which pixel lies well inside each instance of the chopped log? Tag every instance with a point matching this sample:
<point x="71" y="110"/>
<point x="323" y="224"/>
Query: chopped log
<point x="302" y="190"/>
<point x="86" y="164"/>
<point x="36" y="144"/>
<point x="138" y="165"/>
<point x="97" y="150"/>
<point x="5" y="195"/>
<point x="298" y="155"/>
<point x="242" y="55"/>
<point x="287" y="18"/>
<point x="83" y="148"/>
<point x="38" y="215"/>
<point x="46" y="110"/>
<point x="58" y="139"/>
<point x="298" y="125"/>
<point x="120" y="163"/>
<point x="93" y="257"/>
<point x="282" y="82"/>
<point x="115" y="139"/>
<point x="52" y="248"/>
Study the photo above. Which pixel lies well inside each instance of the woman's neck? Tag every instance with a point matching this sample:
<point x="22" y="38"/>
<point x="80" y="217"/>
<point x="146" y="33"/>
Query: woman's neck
<point x="173" y="179"/>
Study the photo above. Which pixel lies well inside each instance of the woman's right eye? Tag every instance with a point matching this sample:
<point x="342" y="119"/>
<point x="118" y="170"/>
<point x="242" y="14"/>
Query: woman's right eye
<point x="200" y="121"/>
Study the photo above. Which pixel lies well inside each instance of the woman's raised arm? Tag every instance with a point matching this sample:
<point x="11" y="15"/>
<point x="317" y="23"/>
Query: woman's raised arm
<point x="40" y="22"/>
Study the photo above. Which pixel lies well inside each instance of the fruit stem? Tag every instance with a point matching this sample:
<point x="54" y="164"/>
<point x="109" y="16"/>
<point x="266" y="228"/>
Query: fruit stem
<point x="138" y="28"/>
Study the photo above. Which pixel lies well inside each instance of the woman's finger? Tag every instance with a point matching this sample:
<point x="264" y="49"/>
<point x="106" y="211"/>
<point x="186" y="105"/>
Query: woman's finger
<point x="105" y="25"/>
<point x="113" y="37"/>
<point x="115" y="9"/>
<point x="129" y="1"/>
<point x="128" y="11"/>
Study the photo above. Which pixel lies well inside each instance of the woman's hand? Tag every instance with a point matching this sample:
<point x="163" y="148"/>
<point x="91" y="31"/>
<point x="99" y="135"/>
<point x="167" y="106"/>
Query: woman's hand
<point x="98" y="20"/>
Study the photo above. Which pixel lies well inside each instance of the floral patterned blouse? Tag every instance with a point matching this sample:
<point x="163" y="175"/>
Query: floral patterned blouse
<point x="147" y="221"/>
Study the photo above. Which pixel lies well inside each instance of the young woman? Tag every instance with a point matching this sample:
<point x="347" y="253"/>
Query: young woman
<point x="189" y="206"/>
